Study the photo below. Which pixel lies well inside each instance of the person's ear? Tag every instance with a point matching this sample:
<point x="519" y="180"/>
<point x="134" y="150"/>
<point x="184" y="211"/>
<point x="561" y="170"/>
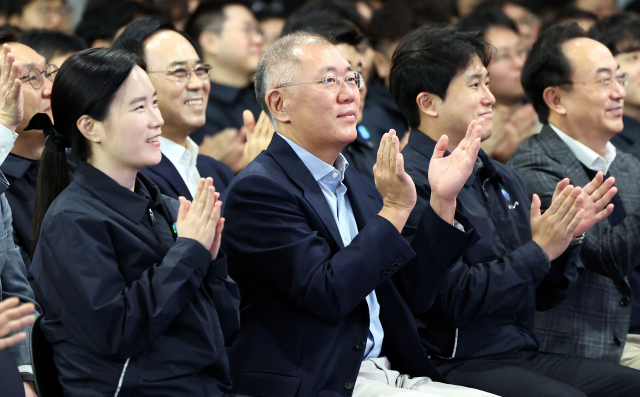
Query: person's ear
<point x="90" y="128"/>
<point x="277" y="101"/>
<point x="210" y="42"/>
<point x="553" y="98"/>
<point x="428" y="103"/>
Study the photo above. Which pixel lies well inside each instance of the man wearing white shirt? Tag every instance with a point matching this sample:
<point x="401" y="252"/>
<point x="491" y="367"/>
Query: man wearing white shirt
<point x="182" y="82"/>
<point x="576" y="87"/>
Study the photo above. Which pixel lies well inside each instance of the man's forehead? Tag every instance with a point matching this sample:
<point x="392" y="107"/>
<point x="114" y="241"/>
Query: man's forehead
<point x="167" y="46"/>
<point x="321" y="58"/>
<point x="587" y="55"/>
<point x="27" y="55"/>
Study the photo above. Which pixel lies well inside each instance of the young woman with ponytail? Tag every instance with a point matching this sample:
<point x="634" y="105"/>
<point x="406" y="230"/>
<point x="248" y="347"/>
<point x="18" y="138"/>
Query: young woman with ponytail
<point x="135" y="289"/>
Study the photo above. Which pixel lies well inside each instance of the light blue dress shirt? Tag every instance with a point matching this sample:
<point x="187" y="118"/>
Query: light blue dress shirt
<point x="330" y="179"/>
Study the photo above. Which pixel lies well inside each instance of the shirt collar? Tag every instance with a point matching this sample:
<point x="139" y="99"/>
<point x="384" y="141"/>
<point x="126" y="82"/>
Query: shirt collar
<point x="17" y="166"/>
<point x="586" y="156"/>
<point x="318" y="168"/>
<point x="176" y="152"/>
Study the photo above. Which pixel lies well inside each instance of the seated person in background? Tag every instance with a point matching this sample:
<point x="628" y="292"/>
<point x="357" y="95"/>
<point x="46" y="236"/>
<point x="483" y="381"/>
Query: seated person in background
<point x="480" y="331"/>
<point x="39" y="14"/>
<point x="387" y="27"/>
<point x="513" y="119"/>
<point x="621" y="34"/>
<point x="135" y="289"/>
<point x="102" y="24"/>
<point x="181" y="79"/>
<point x="584" y="19"/>
<point x="13" y="273"/>
<point x="55" y="47"/>
<point x="350" y="42"/>
<point x="22" y="165"/>
<point x="577" y="88"/>
<point x="231" y="43"/>
<point x="314" y="245"/>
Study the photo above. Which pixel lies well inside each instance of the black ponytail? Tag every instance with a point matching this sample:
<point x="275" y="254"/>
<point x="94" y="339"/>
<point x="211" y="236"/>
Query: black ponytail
<point x="85" y="84"/>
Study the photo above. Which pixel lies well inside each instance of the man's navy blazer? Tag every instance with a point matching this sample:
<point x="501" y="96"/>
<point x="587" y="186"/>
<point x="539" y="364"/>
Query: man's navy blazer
<point x="304" y="316"/>
<point x="166" y="176"/>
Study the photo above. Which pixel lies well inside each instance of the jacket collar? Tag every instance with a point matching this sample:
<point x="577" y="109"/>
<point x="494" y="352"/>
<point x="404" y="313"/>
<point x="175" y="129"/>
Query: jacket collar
<point x="16" y="166"/>
<point x="424" y="145"/>
<point x="167" y="171"/>
<point x="295" y="169"/>
<point x="120" y="199"/>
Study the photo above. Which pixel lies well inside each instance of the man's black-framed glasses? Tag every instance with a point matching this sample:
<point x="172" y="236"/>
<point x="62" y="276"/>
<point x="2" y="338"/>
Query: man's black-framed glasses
<point x="35" y="76"/>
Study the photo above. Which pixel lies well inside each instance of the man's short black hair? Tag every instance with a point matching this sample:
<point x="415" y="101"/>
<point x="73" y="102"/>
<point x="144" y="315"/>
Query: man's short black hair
<point x="50" y="44"/>
<point x="485" y="17"/>
<point x="102" y="22"/>
<point x="427" y="60"/>
<point x="209" y="16"/>
<point x="345" y="9"/>
<point x="8" y="34"/>
<point x="329" y="25"/>
<point x="397" y="18"/>
<point x="619" y="32"/>
<point x="567" y="14"/>
<point x="547" y="65"/>
<point x="133" y="37"/>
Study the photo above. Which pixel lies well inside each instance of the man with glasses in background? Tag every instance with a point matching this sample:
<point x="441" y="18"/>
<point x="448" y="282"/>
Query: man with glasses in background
<point x="231" y="42"/>
<point x="181" y="79"/>
<point x="21" y="166"/>
<point x="577" y="89"/>
<point x="39" y="14"/>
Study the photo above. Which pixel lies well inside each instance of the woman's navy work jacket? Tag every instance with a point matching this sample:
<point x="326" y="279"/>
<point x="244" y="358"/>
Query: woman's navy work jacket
<point x="130" y="309"/>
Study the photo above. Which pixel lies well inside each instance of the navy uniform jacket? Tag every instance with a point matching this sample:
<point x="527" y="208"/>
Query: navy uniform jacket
<point x="304" y="316"/>
<point x="224" y="109"/>
<point x="168" y="179"/>
<point x="487" y="304"/>
<point x="22" y="175"/>
<point x="130" y="311"/>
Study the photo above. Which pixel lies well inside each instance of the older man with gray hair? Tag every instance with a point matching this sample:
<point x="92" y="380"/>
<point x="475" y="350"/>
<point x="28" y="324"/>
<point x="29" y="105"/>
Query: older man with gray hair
<point x="313" y="244"/>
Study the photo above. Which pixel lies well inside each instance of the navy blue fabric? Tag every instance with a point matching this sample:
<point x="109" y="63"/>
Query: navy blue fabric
<point x="168" y="179"/>
<point x="626" y="139"/>
<point x="380" y="113"/>
<point x="22" y="175"/>
<point x="118" y="287"/>
<point x="225" y="108"/>
<point x="487" y="304"/>
<point x="10" y="381"/>
<point x="304" y="317"/>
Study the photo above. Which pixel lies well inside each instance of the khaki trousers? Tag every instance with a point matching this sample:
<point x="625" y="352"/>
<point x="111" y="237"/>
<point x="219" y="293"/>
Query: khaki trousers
<point x="377" y="379"/>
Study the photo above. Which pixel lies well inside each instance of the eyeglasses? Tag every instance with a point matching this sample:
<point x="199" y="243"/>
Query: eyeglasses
<point x="333" y="81"/>
<point x="35" y="76"/>
<point x="182" y="74"/>
<point x="607" y="83"/>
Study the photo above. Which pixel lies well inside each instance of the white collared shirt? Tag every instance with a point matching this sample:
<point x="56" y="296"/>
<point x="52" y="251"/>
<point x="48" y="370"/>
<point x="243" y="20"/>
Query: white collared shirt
<point x="184" y="159"/>
<point x="586" y="156"/>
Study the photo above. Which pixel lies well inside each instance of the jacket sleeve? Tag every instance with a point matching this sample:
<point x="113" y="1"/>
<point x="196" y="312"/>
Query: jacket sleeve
<point x="607" y="251"/>
<point x="563" y="277"/>
<point x="13" y="280"/>
<point x="269" y="240"/>
<point x="225" y="295"/>
<point x="77" y="269"/>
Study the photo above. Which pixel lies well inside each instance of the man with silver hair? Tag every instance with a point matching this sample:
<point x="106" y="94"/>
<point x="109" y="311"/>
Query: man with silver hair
<point x="313" y="245"/>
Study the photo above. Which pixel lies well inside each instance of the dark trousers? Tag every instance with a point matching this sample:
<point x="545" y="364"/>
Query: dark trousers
<point x="10" y="380"/>
<point x="535" y="374"/>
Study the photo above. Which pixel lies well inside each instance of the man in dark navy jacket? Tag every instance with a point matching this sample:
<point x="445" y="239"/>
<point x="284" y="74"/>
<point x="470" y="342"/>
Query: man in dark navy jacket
<point x="181" y="78"/>
<point x="313" y="245"/>
<point x="480" y="331"/>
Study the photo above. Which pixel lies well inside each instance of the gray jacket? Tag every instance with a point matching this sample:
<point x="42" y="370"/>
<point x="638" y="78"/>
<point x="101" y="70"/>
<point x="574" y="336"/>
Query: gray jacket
<point x="594" y="320"/>
<point x="13" y="274"/>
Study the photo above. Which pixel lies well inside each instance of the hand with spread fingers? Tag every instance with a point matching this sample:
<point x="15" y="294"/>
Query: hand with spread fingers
<point x="200" y="220"/>
<point x="597" y="194"/>
<point x="258" y="135"/>
<point x="11" y="98"/>
<point x="447" y="175"/>
<point x="554" y="229"/>
<point x="395" y="186"/>
<point x="12" y="319"/>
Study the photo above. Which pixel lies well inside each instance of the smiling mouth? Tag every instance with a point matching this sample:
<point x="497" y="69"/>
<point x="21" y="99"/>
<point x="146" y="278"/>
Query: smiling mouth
<point x="154" y="139"/>
<point x="193" y="102"/>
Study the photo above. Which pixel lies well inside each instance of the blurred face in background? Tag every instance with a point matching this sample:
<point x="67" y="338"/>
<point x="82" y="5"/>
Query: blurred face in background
<point x="506" y="64"/>
<point x="44" y="14"/>
<point x="630" y="63"/>
<point x="528" y="23"/>
<point x="356" y="60"/>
